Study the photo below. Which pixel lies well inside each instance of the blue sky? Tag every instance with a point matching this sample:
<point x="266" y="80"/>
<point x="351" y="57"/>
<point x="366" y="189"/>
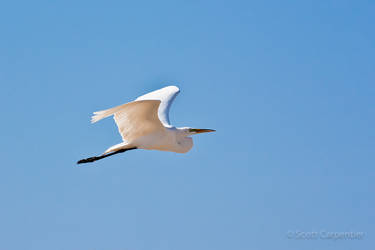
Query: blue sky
<point x="288" y="85"/>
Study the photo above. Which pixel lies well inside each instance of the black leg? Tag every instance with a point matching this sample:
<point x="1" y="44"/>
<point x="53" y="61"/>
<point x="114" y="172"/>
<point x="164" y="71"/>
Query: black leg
<point x="95" y="158"/>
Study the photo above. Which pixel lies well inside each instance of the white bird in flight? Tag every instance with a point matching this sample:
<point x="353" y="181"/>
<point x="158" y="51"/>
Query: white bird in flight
<point x="144" y="124"/>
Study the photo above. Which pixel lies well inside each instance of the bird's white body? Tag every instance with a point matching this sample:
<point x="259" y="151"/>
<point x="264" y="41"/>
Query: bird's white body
<point x="144" y="123"/>
<point x="169" y="139"/>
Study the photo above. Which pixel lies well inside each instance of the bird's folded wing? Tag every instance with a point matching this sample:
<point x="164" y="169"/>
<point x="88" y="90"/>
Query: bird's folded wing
<point x="134" y="119"/>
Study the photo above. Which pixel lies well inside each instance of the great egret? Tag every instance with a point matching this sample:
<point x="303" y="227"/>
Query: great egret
<point x="144" y="124"/>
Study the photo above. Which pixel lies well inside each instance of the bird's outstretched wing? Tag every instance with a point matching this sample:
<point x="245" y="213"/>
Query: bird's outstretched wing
<point x="134" y="119"/>
<point x="166" y="96"/>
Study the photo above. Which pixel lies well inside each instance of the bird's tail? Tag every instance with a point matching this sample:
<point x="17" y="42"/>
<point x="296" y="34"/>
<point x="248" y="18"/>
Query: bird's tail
<point x="117" y="147"/>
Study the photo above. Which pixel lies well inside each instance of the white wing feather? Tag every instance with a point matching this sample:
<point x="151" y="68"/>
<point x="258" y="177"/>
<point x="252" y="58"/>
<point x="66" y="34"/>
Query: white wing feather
<point x="137" y="119"/>
<point x="134" y="119"/>
<point x="166" y="96"/>
<point x="147" y="114"/>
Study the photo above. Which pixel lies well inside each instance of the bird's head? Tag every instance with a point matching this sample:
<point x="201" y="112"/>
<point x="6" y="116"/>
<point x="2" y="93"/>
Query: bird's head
<point x="187" y="131"/>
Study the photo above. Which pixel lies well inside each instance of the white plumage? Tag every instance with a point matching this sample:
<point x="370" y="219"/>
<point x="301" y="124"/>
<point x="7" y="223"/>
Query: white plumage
<point x="166" y="96"/>
<point x="144" y="124"/>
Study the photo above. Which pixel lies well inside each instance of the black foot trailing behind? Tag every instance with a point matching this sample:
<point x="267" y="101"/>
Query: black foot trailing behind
<point x="95" y="158"/>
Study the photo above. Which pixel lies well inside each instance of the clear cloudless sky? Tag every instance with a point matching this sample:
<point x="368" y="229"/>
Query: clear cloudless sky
<point x="288" y="85"/>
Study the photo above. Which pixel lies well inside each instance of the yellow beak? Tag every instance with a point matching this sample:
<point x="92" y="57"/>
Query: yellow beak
<point x="201" y="130"/>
